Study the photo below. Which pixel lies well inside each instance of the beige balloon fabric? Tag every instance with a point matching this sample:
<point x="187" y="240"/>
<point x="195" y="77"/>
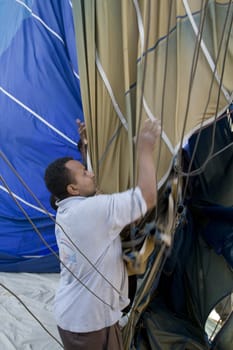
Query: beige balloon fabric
<point x="170" y="60"/>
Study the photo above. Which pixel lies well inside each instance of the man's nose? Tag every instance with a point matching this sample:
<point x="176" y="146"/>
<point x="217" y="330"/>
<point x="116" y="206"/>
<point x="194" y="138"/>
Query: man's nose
<point x="90" y="173"/>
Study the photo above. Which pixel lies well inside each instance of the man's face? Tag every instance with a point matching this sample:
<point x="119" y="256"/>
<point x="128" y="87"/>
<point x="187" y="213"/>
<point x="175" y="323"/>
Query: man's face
<point x="83" y="181"/>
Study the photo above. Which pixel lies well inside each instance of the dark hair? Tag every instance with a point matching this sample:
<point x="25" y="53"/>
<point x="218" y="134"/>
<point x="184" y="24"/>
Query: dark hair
<point x="52" y="200"/>
<point x="57" y="177"/>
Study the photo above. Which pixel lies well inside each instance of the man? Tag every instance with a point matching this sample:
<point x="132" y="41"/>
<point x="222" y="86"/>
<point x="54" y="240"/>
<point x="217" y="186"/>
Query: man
<point x="93" y="285"/>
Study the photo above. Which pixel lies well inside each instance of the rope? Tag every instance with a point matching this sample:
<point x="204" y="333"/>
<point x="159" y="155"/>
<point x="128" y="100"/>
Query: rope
<point x="163" y="92"/>
<point x="191" y="79"/>
<point x="31" y="313"/>
<point x="144" y="38"/>
<point x="202" y="167"/>
<point x="219" y="91"/>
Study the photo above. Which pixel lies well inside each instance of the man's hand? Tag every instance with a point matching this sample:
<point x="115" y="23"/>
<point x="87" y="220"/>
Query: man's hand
<point x="147" y="140"/>
<point x="82" y="144"/>
<point x="149" y="134"/>
<point x="82" y="131"/>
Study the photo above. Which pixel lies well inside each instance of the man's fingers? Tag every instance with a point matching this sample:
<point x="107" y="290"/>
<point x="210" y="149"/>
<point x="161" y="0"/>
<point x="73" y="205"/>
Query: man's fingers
<point x="152" y="126"/>
<point x="81" y="126"/>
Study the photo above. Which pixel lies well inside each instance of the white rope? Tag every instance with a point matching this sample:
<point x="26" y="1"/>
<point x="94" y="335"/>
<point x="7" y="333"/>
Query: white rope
<point x="202" y="124"/>
<point x="41" y="21"/>
<point x="140" y="25"/>
<point x="205" y="50"/>
<point x="163" y="134"/>
<point x="146" y="107"/>
<point x="111" y="94"/>
<point x="37" y="116"/>
<point x="48" y="28"/>
<point x="76" y="74"/>
<point x="25" y="202"/>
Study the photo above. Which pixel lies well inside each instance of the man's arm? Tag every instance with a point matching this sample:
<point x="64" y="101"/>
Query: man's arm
<point x="147" y="140"/>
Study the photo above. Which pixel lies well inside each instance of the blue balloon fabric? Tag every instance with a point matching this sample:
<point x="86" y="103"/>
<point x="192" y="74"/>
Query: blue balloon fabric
<point x="40" y="100"/>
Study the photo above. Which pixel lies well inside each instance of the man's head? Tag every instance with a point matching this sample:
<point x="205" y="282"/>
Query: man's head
<point x="67" y="177"/>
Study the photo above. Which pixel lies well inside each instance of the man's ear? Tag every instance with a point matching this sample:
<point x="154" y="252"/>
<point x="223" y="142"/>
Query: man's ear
<point x="72" y="189"/>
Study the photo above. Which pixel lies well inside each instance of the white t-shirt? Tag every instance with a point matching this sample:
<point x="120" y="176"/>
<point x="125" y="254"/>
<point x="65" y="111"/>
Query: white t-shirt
<point x="94" y="225"/>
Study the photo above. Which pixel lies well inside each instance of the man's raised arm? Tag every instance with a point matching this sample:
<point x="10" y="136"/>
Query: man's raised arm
<point x="147" y="140"/>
